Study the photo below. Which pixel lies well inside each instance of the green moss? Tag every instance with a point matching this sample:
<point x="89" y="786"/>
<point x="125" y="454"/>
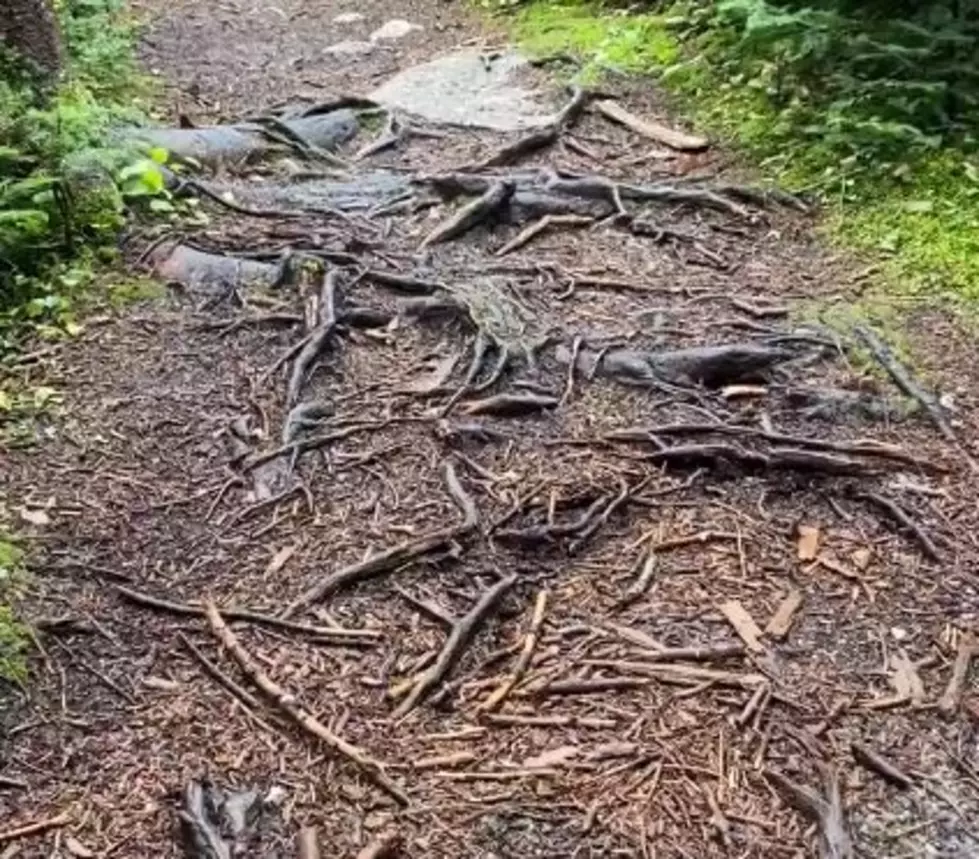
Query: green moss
<point x="917" y="208"/>
<point x="603" y="39"/>
<point x="14" y="636"/>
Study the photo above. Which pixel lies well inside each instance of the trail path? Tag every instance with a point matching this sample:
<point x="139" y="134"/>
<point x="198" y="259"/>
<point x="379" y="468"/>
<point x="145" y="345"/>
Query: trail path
<point x="449" y="538"/>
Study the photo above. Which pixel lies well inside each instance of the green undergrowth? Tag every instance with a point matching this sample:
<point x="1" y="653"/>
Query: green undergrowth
<point x="65" y="192"/>
<point x="873" y="114"/>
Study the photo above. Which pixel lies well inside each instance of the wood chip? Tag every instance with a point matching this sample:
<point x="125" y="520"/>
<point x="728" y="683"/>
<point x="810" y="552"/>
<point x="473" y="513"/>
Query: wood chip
<point x="948" y="704"/>
<point x="808" y="544"/>
<point x="781" y="622"/>
<point x="551" y="758"/>
<point x="743" y="624"/>
<point x="280" y="559"/>
<point x="651" y="130"/>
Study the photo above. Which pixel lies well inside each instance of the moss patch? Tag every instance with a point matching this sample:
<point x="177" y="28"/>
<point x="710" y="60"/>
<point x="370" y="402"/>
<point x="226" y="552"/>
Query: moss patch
<point x="14" y="637"/>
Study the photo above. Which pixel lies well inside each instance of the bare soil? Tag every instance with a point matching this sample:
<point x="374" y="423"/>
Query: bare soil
<point x="644" y="721"/>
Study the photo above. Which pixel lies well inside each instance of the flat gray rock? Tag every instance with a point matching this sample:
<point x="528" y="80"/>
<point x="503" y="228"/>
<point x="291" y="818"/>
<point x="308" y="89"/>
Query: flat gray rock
<point x="469" y="89"/>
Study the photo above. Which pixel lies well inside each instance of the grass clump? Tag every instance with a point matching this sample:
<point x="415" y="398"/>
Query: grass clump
<point x="872" y="108"/>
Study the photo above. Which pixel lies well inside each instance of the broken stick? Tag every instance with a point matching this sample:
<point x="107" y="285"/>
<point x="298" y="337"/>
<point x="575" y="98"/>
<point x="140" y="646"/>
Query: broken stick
<point x="746" y="628"/>
<point x="289" y="706"/>
<point x="318" y="337"/>
<point x="457" y="641"/>
<point x="826" y="811"/>
<point x="530" y="643"/>
<point x="651" y="130"/>
<point x="399" y="555"/>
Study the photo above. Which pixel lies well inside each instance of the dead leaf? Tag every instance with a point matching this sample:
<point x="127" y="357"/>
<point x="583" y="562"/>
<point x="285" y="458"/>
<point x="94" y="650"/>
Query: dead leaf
<point x="743" y="624"/>
<point x="551" y="757"/>
<point x="280" y="559"/>
<point x="76" y="848"/>
<point x="440" y="374"/>
<point x="808" y="543"/>
<point x="34" y="517"/>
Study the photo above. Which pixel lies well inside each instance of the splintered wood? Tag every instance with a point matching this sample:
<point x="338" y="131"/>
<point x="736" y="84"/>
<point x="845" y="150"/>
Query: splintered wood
<point x="780" y="623"/>
<point x="743" y="624"/>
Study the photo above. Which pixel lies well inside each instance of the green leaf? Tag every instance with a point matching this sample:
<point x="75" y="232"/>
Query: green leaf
<point x="919" y="206"/>
<point x="159" y="155"/>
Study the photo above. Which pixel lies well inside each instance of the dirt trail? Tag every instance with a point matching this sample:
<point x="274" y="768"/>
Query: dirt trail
<point x="565" y="587"/>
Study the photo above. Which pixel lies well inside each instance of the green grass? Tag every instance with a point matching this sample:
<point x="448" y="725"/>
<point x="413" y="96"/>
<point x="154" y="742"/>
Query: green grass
<point x="916" y="209"/>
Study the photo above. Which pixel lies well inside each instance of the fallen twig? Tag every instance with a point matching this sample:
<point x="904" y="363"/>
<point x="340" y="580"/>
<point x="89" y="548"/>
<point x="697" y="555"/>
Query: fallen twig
<point x="927" y="545"/>
<point x="458" y="640"/>
<point x="34" y="828"/>
<point x="510" y="405"/>
<point x="223" y="679"/>
<point x="867" y="757"/>
<point x="538" y="227"/>
<point x="398" y="555"/>
<point x="338" y="635"/>
<point x="651" y="130"/>
<point x="288" y="705"/>
<point x="826" y="811"/>
<point x="903" y="379"/>
<point x="530" y="643"/>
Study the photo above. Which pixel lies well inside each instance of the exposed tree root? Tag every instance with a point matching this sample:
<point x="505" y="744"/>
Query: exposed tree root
<point x="305" y="720"/>
<point x="927" y="545"/>
<point x="396" y="556"/>
<point x="462" y="633"/>
<point x="539" y="138"/>
<point x="510" y="405"/>
<point x="479" y="210"/>
<point x="318" y="337"/>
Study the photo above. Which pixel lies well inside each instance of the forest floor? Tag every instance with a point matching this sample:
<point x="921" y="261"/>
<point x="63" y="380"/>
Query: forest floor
<point x="609" y="597"/>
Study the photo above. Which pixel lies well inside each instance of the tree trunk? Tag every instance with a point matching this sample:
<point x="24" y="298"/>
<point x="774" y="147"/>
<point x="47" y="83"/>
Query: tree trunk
<point x="30" y="29"/>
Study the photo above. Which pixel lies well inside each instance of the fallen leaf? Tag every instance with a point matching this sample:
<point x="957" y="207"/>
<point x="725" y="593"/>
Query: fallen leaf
<point x="280" y="559"/>
<point x="76" y="848"/>
<point x="808" y="543"/>
<point x="551" y="757"/>
<point x="34" y="517"/>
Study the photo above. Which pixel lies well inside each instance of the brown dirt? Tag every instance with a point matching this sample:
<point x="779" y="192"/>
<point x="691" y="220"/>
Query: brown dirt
<point x="138" y="480"/>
